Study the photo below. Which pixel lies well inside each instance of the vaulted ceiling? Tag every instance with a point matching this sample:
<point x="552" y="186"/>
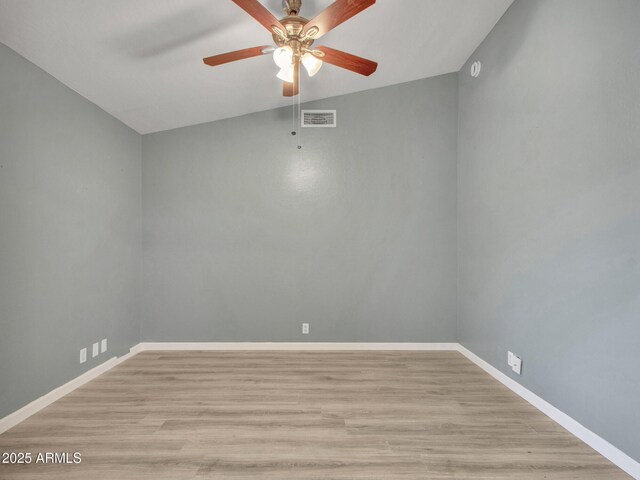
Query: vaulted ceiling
<point x="141" y="60"/>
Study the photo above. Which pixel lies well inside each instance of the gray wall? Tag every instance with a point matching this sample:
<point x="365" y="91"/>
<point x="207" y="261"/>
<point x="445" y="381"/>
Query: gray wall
<point x="245" y="237"/>
<point x="549" y="207"/>
<point x="69" y="232"/>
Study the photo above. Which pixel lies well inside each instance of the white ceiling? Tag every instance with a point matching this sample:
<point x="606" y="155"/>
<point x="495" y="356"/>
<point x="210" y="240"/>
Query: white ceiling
<point x="141" y="60"/>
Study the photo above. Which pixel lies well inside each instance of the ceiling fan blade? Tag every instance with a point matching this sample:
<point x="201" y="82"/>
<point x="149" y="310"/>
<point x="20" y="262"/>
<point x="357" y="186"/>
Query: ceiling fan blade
<point x="346" y="60"/>
<point x="237" y="55"/>
<point x="287" y="89"/>
<point x="334" y="15"/>
<point x="261" y="14"/>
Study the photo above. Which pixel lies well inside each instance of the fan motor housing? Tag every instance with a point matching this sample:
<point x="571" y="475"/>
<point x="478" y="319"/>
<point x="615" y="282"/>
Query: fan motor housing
<point x="294" y="25"/>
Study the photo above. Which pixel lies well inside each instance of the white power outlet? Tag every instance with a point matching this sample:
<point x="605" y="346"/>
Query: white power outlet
<point x="515" y="362"/>
<point x="103" y="345"/>
<point x="96" y="350"/>
<point x="305" y="329"/>
<point x="517" y="365"/>
<point x="83" y="355"/>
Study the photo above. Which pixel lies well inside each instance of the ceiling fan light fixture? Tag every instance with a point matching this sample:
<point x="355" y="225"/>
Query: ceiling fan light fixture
<point x="311" y="63"/>
<point x="283" y="56"/>
<point x="286" y="74"/>
<point x="294" y="36"/>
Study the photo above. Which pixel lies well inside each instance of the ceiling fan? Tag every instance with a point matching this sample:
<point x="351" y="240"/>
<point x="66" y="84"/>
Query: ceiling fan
<point x="294" y="36"/>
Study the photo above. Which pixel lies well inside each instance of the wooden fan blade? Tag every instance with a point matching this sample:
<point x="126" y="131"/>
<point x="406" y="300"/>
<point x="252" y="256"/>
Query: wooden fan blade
<point x="237" y="55"/>
<point x="287" y="89"/>
<point x="260" y="13"/>
<point x="346" y="60"/>
<point x="335" y="14"/>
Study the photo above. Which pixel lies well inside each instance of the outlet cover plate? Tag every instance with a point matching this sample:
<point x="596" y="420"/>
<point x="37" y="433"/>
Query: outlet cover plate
<point x="516" y="366"/>
<point x="103" y="345"/>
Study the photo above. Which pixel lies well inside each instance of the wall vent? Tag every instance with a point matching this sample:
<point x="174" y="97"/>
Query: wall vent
<point x="319" y="118"/>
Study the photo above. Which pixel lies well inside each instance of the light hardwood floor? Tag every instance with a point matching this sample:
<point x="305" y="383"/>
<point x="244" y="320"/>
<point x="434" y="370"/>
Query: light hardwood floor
<point x="300" y="415"/>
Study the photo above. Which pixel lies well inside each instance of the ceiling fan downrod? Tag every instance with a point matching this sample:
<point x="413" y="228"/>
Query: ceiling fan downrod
<point x="292" y="7"/>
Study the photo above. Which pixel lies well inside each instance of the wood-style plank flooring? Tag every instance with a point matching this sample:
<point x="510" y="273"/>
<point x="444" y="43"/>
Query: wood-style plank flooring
<point x="300" y="415"/>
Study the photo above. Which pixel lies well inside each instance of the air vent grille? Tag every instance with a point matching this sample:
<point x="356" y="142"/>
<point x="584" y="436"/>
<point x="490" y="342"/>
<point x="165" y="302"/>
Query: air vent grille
<point x="318" y="118"/>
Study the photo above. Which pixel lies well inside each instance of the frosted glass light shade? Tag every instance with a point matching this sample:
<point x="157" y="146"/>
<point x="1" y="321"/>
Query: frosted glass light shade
<point x="311" y="63"/>
<point x="286" y="74"/>
<point x="283" y="56"/>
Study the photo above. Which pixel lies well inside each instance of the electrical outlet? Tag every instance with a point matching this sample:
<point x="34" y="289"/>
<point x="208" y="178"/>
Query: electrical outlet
<point x="517" y="365"/>
<point x="103" y="345"/>
<point x="515" y="362"/>
<point x="96" y="350"/>
<point x="305" y="329"/>
<point x="83" y="355"/>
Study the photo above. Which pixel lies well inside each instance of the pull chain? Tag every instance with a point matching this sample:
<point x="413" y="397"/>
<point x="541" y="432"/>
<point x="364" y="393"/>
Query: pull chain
<point x="299" y="113"/>
<point x="293" y="115"/>
<point x="296" y="112"/>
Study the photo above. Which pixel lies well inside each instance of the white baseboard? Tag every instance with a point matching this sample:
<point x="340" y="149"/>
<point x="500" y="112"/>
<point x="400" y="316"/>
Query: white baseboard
<point x="596" y="442"/>
<point x="309" y="346"/>
<point x="599" y="444"/>
<point x="47" y="399"/>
